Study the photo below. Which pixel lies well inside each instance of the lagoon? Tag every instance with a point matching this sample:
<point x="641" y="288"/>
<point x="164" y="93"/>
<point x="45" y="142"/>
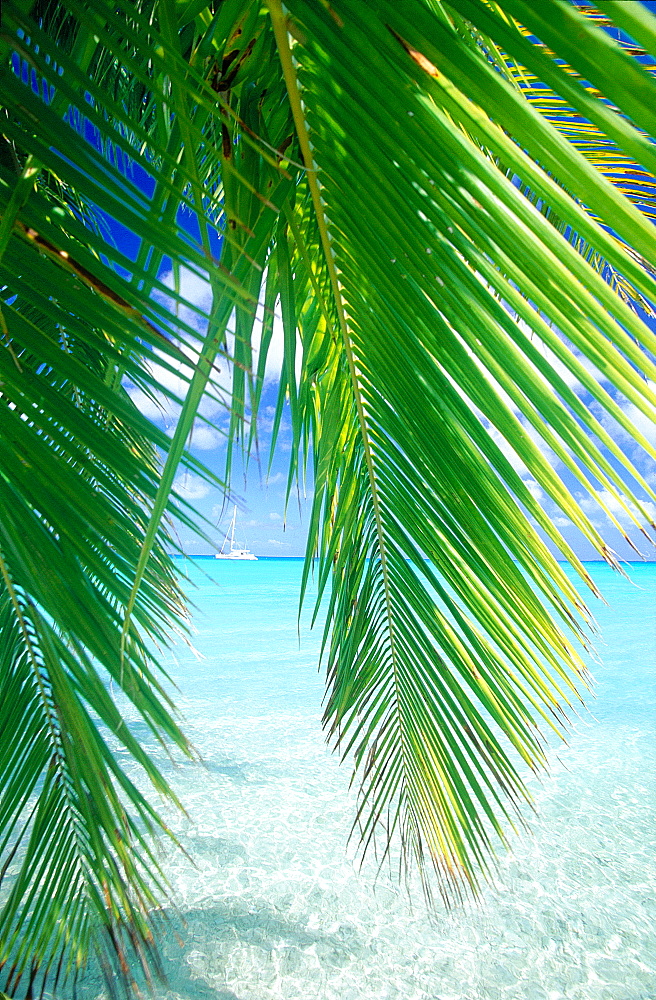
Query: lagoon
<point x="271" y="902"/>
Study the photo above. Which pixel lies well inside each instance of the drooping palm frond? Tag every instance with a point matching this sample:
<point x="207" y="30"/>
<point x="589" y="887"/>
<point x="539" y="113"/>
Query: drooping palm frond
<point x="363" y="167"/>
<point x="80" y="473"/>
<point x="439" y="650"/>
<point x="577" y="110"/>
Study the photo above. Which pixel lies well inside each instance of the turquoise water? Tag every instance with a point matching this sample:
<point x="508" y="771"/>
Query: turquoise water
<point x="271" y="903"/>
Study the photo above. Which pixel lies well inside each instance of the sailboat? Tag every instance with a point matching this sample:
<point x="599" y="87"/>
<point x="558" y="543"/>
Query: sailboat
<point x="232" y="552"/>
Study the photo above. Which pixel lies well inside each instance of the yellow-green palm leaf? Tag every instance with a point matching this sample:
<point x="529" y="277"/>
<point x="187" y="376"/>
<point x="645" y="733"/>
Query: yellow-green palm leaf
<point x="371" y="168"/>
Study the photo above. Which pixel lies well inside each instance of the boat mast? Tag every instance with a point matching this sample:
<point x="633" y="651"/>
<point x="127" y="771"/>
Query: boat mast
<point x="232" y="536"/>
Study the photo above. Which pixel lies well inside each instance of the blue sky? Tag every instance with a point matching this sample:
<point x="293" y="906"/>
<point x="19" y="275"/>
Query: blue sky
<point x="270" y="527"/>
<point x="265" y="522"/>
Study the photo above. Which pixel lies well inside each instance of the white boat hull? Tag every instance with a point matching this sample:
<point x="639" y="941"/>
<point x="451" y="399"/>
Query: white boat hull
<point x="236" y="555"/>
<point x="233" y="552"/>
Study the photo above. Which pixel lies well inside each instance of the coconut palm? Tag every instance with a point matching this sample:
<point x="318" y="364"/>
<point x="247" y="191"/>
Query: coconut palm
<point x="433" y="194"/>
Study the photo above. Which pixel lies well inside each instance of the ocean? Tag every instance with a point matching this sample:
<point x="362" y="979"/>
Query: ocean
<point x="270" y="902"/>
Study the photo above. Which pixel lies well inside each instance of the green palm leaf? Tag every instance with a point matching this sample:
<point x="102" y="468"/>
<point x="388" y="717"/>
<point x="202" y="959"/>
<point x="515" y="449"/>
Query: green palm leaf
<point x="376" y="171"/>
<point x="80" y="473"/>
<point x="579" y="112"/>
<point x="427" y="235"/>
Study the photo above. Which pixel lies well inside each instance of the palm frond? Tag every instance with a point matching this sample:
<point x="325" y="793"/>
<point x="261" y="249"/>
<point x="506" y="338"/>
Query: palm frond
<point x="373" y="170"/>
<point x="442" y="662"/>
<point x="80" y="473"/>
<point x="577" y="110"/>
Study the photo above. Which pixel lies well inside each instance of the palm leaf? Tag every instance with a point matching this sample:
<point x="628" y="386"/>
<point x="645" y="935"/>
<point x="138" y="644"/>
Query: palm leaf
<point x="437" y="668"/>
<point x="80" y="474"/>
<point x="579" y="112"/>
<point x="368" y="169"/>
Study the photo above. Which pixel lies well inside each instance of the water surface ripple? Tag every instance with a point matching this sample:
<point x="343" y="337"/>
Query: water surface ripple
<point x="273" y="905"/>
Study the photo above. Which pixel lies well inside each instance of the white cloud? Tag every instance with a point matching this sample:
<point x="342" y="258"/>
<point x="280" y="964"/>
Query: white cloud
<point x="640" y="421"/>
<point x="198" y="293"/>
<point x="275" y="517"/>
<point x="153" y="408"/>
<point x="196" y="290"/>
<point x="206" y="438"/>
<point x="559" y="367"/>
<point x="613" y="504"/>
<point x="547" y="504"/>
<point x="535" y="490"/>
<point x="276" y="350"/>
<point x="276" y="541"/>
<point x="191" y="487"/>
<point x="512" y="456"/>
<point x="265" y="425"/>
<point x="174" y="377"/>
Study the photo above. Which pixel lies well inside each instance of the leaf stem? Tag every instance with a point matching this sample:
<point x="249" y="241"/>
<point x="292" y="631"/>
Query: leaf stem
<point x="279" y="23"/>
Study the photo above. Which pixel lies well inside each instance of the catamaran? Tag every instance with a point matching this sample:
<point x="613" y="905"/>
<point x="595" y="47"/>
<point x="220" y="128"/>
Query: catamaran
<point x="233" y="553"/>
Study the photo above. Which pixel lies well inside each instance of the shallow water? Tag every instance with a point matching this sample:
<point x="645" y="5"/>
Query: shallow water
<point x="274" y="906"/>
